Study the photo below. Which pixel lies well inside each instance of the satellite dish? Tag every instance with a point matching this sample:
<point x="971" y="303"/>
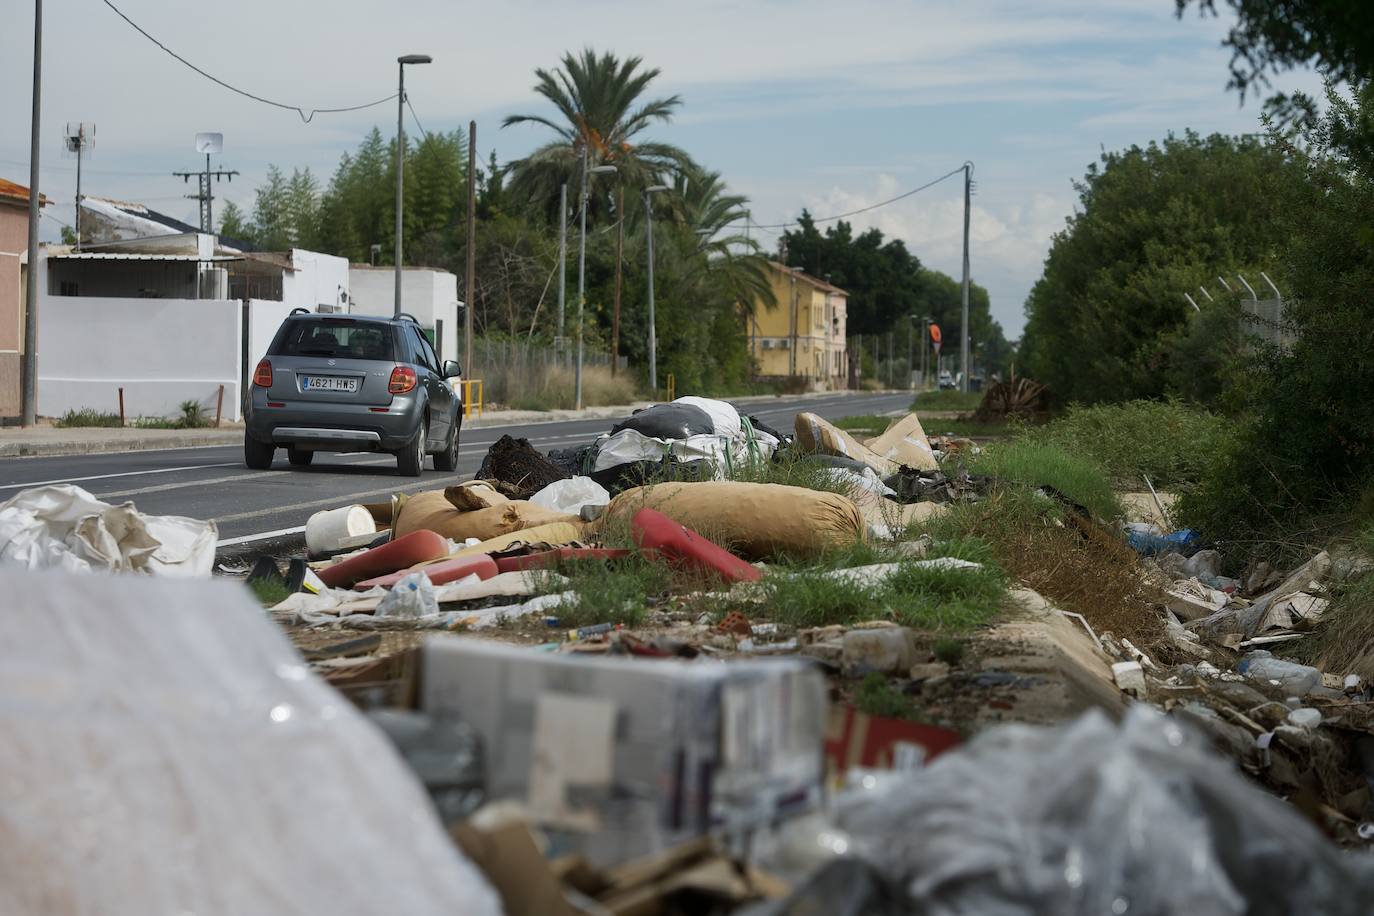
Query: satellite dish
<point x="208" y="142"/>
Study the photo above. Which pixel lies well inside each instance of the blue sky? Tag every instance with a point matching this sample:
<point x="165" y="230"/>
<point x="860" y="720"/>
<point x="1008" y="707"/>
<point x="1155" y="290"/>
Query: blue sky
<point x="804" y="103"/>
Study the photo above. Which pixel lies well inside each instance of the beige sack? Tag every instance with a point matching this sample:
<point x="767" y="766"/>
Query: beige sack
<point x="817" y="435"/>
<point x="905" y="442"/>
<point x="434" y="511"/>
<point x="755" y="520"/>
<point x="475" y="494"/>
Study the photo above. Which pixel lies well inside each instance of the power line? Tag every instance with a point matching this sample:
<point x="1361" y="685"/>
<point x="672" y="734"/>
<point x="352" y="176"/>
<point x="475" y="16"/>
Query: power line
<point x="892" y="200"/>
<point x="423" y="132"/>
<point x="87" y="171"/>
<point x="257" y="98"/>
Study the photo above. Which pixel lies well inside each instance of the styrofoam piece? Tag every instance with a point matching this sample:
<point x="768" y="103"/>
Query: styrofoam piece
<point x="327" y="530"/>
<point x="166" y="751"/>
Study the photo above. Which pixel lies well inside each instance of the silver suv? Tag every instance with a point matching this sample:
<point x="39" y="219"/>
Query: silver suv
<point x="336" y="383"/>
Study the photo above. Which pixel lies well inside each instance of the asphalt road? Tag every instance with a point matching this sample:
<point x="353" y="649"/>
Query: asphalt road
<point x="263" y="506"/>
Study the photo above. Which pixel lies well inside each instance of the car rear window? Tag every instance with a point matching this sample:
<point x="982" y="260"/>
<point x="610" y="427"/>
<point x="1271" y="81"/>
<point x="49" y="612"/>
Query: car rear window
<point x="344" y="338"/>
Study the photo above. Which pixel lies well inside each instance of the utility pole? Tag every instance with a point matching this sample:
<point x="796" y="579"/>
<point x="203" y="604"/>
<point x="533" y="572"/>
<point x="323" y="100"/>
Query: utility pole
<point x="910" y="350"/>
<point x="207" y="217"/>
<point x="470" y="283"/>
<point x="581" y="279"/>
<point x="619" y="258"/>
<point x="401" y="161"/>
<point x="649" y="193"/>
<point x="78" y="141"/>
<point x="30" y="378"/>
<point x="558" y="342"/>
<point x="891" y="381"/>
<point x="963" y="334"/>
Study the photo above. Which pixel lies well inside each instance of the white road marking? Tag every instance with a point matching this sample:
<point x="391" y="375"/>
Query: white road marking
<point x="261" y="536"/>
<point x="47" y="483"/>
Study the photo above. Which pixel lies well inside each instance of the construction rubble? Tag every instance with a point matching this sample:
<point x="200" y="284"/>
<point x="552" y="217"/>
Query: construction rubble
<point x="425" y="716"/>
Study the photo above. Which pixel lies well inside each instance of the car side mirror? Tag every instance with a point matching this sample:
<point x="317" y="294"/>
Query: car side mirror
<point x="452" y="369"/>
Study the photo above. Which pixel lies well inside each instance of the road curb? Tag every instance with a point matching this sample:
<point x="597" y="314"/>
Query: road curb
<point x="60" y="448"/>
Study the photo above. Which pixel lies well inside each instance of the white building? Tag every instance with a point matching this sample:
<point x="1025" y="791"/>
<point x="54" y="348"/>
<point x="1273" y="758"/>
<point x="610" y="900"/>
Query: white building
<point x="168" y="317"/>
<point x="427" y="293"/>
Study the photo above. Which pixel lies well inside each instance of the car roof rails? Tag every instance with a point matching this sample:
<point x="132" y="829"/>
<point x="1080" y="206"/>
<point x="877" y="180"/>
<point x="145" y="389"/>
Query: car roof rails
<point x="408" y="317"/>
<point x="300" y="310"/>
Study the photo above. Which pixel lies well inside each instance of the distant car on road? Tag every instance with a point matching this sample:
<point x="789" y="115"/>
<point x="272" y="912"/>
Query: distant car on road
<point x="947" y="380"/>
<point x="351" y="383"/>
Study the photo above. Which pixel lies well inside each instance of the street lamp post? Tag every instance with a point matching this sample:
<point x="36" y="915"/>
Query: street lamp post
<point x="582" y="270"/>
<point x="401" y="161"/>
<point x="792" y="324"/>
<point x="649" y="235"/>
<point x="562" y="269"/>
<point x="30" y="371"/>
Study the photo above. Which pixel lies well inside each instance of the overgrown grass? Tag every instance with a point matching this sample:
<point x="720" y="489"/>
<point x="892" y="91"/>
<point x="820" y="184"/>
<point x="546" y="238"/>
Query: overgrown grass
<point x="540" y="387"/>
<point x="877" y="697"/>
<point x="947" y="399"/>
<point x="1033" y="464"/>
<point x="87" y="416"/>
<point x="918" y="596"/>
<point x="1078" y="565"/>
<point x="1169" y="441"/>
<point x="864" y="426"/>
<point x="193" y="416"/>
<point x="269" y="592"/>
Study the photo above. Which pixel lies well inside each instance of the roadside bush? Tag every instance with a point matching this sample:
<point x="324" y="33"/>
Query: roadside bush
<point x="1172" y="443"/>
<point x="86" y="416"/>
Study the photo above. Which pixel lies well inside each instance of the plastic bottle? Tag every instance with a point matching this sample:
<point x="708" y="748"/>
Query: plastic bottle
<point x="1297" y="680"/>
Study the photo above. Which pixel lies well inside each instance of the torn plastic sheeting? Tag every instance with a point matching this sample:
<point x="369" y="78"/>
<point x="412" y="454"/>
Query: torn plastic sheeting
<point x="1091" y="818"/>
<point x="66" y="527"/>
<point x="1280" y="608"/>
<point x="332" y="603"/>
<point x="217" y="775"/>
<point x="569" y="496"/>
<point x="630" y="446"/>
<point x="867" y="480"/>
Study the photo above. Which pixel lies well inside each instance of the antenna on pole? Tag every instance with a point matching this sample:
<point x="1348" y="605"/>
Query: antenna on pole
<point x="207" y="142"/>
<point x="79" y="141"/>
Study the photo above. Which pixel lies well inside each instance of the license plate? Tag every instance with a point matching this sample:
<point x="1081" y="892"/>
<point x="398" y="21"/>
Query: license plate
<point x="328" y="383"/>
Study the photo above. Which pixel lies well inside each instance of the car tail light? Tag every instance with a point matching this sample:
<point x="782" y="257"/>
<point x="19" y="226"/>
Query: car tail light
<point x="262" y="376"/>
<point x="402" y="380"/>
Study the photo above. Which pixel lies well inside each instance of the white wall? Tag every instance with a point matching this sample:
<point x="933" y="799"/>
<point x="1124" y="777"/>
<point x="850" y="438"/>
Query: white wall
<point x="430" y="295"/>
<point x="318" y="279"/>
<point x="264" y="317"/>
<point x="162" y="351"/>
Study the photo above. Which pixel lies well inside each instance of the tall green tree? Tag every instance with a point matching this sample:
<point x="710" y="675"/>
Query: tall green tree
<point x="600" y="105"/>
<point x="234" y="223"/>
<point x="271" y="212"/>
<point x="1152" y="224"/>
<point x="888" y="286"/>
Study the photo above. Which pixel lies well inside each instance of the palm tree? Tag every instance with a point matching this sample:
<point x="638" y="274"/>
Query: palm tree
<point x="713" y="216"/>
<point x="599" y="100"/>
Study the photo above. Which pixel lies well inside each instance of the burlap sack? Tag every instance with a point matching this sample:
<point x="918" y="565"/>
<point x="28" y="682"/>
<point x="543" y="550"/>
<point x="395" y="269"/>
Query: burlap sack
<point x="816" y="435"/>
<point x="434" y="511"/>
<point x="905" y="443"/>
<point x="755" y="520"/>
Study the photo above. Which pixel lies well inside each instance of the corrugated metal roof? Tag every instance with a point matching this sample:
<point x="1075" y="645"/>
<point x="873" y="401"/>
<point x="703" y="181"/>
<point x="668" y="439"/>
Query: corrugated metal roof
<point x="112" y="256"/>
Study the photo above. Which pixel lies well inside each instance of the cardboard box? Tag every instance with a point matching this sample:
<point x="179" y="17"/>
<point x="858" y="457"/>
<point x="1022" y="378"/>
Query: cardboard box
<point x="621" y="757"/>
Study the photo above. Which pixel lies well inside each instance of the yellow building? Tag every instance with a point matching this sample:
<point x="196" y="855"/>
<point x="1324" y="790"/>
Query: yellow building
<point x="805" y="334"/>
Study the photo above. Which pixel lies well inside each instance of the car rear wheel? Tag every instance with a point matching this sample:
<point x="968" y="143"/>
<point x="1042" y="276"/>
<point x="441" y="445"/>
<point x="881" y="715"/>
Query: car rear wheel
<point x="410" y="461"/>
<point x="257" y="455"/>
<point x="300" y="457"/>
<point x="447" y="460"/>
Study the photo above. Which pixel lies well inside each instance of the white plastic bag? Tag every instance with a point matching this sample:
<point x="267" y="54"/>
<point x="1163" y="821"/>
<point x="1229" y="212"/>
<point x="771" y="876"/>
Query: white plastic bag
<point x="413" y="596"/>
<point x="571" y="495"/>
<point x="66" y="527"/>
